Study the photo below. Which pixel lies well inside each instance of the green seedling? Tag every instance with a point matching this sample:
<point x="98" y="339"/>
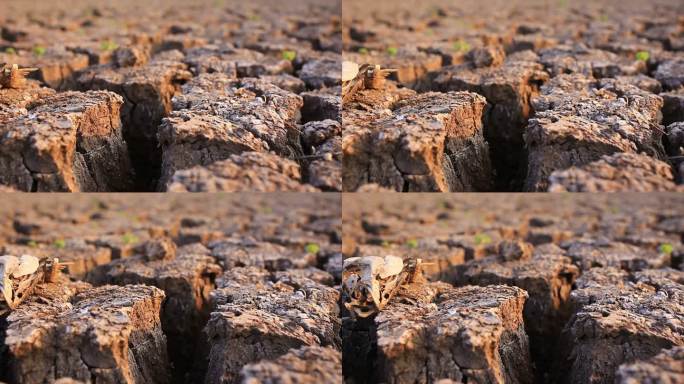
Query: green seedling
<point x="289" y="55"/>
<point x="643" y="56"/>
<point x="100" y="205"/>
<point x="312" y="248"/>
<point x="482" y="239"/>
<point x="363" y="51"/>
<point x="39" y="50"/>
<point x="392" y="51"/>
<point x="385" y="244"/>
<point x="32" y="244"/>
<point x="461" y="46"/>
<point x="10" y="51"/>
<point x="59" y="243"/>
<point x="412" y="243"/>
<point x="129" y="239"/>
<point x="666" y="248"/>
<point x="254" y="17"/>
<point x="108" y="45"/>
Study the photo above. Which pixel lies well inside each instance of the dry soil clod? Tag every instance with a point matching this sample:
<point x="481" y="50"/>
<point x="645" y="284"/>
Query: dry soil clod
<point x="259" y="315"/>
<point x="107" y="334"/>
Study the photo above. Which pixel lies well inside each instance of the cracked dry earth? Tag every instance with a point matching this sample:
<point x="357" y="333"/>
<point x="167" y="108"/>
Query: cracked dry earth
<point x="179" y="95"/>
<point x="242" y="290"/>
<point x="542" y="289"/>
<point x="521" y="95"/>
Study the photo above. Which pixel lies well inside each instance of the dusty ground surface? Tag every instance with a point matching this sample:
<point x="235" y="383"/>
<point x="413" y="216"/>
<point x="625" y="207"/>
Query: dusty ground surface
<point x="188" y="92"/>
<point x="521" y="289"/>
<point x="580" y="95"/>
<point x="186" y="289"/>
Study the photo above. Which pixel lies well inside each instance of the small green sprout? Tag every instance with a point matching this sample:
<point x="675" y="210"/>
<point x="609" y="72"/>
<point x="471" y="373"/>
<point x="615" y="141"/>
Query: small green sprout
<point x="603" y="18"/>
<point x="412" y="243"/>
<point x="108" y="45"/>
<point x="312" y="248"/>
<point x="59" y="243"/>
<point x="666" y="248"/>
<point x="39" y="50"/>
<point x="10" y="51"/>
<point x="32" y="244"/>
<point x="363" y="50"/>
<point x="392" y="51"/>
<point x="461" y="46"/>
<point x="289" y="55"/>
<point x="129" y="238"/>
<point x="254" y="17"/>
<point x="385" y="244"/>
<point x="482" y="239"/>
<point x="643" y="55"/>
<point x="266" y="210"/>
<point x="99" y="204"/>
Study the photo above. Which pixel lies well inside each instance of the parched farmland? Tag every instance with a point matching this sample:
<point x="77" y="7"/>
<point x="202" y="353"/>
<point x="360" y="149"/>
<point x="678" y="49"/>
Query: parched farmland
<point x="185" y="289"/>
<point x="517" y="288"/>
<point x="521" y="95"/>
<point x="198" y="95"/>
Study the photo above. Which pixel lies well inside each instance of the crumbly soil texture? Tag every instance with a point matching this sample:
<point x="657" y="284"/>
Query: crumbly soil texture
<point x="522" y="95"/>
<point x="521" y="289"/>
<point x="198" y="96"/>
<point x="232" y="289"/>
